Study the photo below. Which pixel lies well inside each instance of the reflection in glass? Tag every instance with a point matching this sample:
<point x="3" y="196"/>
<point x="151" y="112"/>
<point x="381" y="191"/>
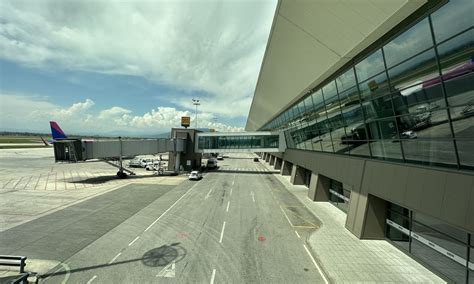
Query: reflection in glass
<point x="330" y="94"/>
<point x="346" y="80"/>
<point x="378" y="108"/>
<point x="370" y="66"/>
<point x="411" y="115"/>
<point x="455" y="271"/>
<point x="386" y="149"/>
<point x="457" y="63"/>
<point x="425" y="123"/>
<point x="398" y="237"/>
<point x="374" y="87"/>
<point x="339" y="196"/>
<point x="442" y="227"/>
<point x="409" y="43"/>
<point x="383" y="129"/>
<point x="409" y="77"/>
<point x="463" y="125"/>
<point x="452" y="18"/>
<point x="429" y="152"/>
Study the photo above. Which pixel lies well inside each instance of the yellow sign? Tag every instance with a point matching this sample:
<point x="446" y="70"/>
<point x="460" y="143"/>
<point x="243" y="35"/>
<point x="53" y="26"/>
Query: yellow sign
<point x="185" y="121"/>
<point x="373" y="85"/>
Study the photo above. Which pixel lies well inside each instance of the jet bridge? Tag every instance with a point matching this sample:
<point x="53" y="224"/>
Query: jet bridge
<point x="76" y="150"/>
<point x="227" y="142"/>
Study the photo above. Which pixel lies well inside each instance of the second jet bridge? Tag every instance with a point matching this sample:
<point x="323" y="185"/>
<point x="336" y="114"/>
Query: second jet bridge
<point x="226" y="142"/>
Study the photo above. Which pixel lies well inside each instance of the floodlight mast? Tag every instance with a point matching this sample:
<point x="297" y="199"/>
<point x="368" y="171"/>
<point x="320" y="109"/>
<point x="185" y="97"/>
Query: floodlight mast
<point x="196" y="102"/>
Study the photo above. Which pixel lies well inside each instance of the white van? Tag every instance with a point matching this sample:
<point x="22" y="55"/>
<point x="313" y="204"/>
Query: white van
<point x="211" y="163"/>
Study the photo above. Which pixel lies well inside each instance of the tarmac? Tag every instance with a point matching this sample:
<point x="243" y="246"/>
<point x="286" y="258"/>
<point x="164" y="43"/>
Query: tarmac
<point x="243" y="223"/>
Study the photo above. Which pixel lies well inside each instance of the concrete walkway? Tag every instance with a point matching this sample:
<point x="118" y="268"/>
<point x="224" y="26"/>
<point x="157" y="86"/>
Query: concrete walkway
<point x="347" y="259"/>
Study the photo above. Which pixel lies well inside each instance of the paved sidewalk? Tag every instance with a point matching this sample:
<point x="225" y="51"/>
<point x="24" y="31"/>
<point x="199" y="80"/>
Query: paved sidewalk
<point x="347" y="259"/>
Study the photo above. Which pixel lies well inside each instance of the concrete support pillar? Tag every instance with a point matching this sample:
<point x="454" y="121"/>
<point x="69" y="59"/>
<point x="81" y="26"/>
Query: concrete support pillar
<point x="286" y="168"/>
<point x="297" y="175"/>
<point x="267" y="158"/>
<point x="319" y="188"/>
<point x="263" y="156"/>
<point x="272" y="160"/>
<point x="374" y="227"/>
<point x="277" y="165"/>
<point x="177" y="162"/>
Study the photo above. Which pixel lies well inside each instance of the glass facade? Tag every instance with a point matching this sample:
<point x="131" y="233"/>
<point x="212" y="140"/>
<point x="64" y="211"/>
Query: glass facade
<point x="410" y="100"/>
<point x="339" y="196"/>
<point x="238" y="142"/>
<point x="441" y="246"/>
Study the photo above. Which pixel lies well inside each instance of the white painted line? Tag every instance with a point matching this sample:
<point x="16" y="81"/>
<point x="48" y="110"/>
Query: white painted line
<point x="208" y="194"/>
<point x="297" y="234"/>
<point x="231" y="190"/>
<point x="227" y="209"/>
<point x="213" y="276"/>
<point x="68" y="273"/>
<point x="92" y="279"/>
<point x="222" y="232"/>
<point x="286" y="216"/>
<point x="168" y="271"/>
<point x="253" y="198"/>
<point x="134" y="241"/>
<point x="316" y="264"/>
<point x="115" y="257"/>
<point x="176" y="202"/>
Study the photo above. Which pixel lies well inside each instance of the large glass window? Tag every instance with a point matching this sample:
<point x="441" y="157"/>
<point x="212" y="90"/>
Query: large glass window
<point x="436" y="243"/>
<point x="452" y="18"/>
<point x="433" y="255"/>
<point x="457" y="63"/>
<point x="370" y="66"/>
<point x="409" y="43"/>
<point x="410" y="100"/>
<point x="374" y="87"/>
<point x="339" y="196"/>
<point x="346" y="80"/>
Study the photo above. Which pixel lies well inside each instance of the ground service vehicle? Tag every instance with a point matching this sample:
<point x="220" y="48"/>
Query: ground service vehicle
<point x="211" y="164"/>
<point x="195" y="175"/>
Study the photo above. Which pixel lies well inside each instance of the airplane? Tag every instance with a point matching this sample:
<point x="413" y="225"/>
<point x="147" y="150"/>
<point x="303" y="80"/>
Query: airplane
<point x="56" y="132"/>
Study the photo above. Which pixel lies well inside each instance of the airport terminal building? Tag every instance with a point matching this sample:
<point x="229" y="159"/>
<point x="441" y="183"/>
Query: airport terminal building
<point x="376" y="103"/>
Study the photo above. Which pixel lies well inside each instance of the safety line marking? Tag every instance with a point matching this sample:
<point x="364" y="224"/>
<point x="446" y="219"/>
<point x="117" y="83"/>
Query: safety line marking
<point x="297" y="234"/>
<point x="213" y="276"/>
<point x="222" y="232"/>
<point x="134" y="241"/>
<point x="92" y="279"/>
<point x="113" y="259"/>
<point x="316" y="264"/>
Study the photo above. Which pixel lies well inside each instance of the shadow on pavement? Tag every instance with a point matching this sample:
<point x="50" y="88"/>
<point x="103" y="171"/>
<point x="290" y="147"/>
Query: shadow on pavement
<point x="157" y="257"/>
<point x="244" y="172"/>
<point x="104" y="179"/>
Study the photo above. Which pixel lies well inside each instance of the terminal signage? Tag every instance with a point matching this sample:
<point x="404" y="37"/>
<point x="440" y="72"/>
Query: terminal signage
<point x="185" y="121"/>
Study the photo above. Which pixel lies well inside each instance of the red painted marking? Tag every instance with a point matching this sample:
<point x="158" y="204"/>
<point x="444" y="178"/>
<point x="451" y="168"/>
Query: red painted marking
<point x="182" y="235"/>
<point x="261" y="238"/>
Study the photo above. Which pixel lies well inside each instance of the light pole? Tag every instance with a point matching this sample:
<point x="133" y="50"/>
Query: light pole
<point x="196" y="103"/>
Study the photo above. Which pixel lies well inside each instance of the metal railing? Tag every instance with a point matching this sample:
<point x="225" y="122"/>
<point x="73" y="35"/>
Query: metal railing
<point x="11" y="260"/>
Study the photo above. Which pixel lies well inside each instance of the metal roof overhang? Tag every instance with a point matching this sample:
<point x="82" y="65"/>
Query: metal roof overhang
<point x="310" y="40"/>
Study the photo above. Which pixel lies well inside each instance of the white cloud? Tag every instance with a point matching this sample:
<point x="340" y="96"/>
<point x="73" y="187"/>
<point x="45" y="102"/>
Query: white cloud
<point x="211" y="46"/>
<point x="75" y="109"/>
<point x="28" y="113"/>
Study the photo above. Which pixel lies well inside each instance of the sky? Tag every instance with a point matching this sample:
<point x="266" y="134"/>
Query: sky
<point x="129" y="67"/>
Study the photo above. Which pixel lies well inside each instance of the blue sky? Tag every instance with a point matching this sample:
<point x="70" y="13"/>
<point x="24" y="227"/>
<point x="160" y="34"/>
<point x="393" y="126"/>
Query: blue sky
<point x="129" y="66"/>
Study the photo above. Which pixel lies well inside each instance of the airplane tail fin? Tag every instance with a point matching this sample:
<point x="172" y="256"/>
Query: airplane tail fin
<point x="56" y="131"/>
